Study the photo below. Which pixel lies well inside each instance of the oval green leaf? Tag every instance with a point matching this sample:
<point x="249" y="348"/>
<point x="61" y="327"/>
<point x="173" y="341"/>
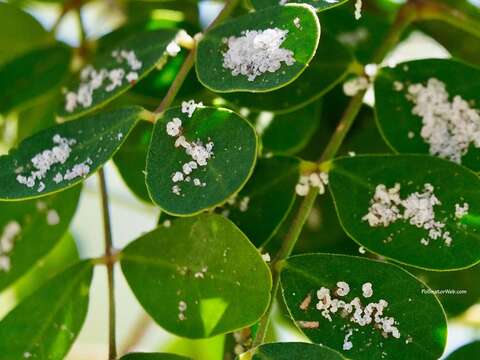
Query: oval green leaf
<point x="469" y="351"/>
<point x="227" y="168"/>
<point x="132" y="157"/>
<point x="463" y="290"/>
<point x="30" y="229"/>
<point x="123" y="65"/>
<point x="417" y="314"/>
<point x="319" y="5"/>
<point x="291" y="350"/>
<point x="64" y="155"/>
<point x="353" y="183"/>
<point x="19" y="32"/>
<point x="301" y="40"/>
<point x="264" y="202"/>
<point x="451" y="125"/>
<point x="289" y="133"/>
<point x="153" y="356"/>
<point x="45" y="324"/>
<point x="328" y="67"/>
<point x="210" y="279"/>
<point x="48" y="66"/>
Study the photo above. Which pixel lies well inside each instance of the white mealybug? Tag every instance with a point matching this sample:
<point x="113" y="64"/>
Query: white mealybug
<point x="173" y="49"/>
<point x="367" y="290"/>
<point x="7" y="241"/>
<point x="461" y="210"/>
<point x="343" y="288"/>
<point x="189" y="107"/>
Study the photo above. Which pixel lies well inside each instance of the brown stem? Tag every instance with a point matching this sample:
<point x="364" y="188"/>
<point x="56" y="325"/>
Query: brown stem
<point x="109" y="254"/>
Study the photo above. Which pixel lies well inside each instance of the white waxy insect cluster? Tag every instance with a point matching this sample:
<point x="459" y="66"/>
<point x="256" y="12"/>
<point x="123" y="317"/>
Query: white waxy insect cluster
<point x="234" y="202"/>
<point x="387" y="207"/>
<point x="7" y="241"/>
<point x="92" y="79"/>
<point x="353" y="38"/>
<point x="331" y="303"/>
<point x="353" y="86"/>
<point x="42" y="162"/>
<point x="189" y="107"/>
<point x="347" y="344"/>
<point x="316" y="179"/>
<point x="461" y="210"/>
<point x="448" y="126"/>
<point x="199" y="152"/>
<point x="173" y="49"/>
<point x="52" y="216"/>
<point x="358" y="9"/>
<point x="257" y="52"/>
<point x="201" y="274"/>
<point x="182" y="307"/>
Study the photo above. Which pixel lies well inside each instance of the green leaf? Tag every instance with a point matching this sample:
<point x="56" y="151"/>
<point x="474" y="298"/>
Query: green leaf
<point x="204" y="270"/>
<point x="152" y="356"/>
<point x="62" y="256"/>
<point x="48" y="66"/>
<point x="234" y="153"/>
<point x="418" y="314"/>
<point x="319" y="5"/>
<point x="30" y="229"/>
<point x="289" y="133"/>
<point x="469" y="351"/>
<point x="301" y="40"/>
<point x="19" y="32"/>
<point x="45" y="324"/>
<point x="395" y="112"/>
<point x="449" y="35"/>
<point x="289" y="351"/>
<point x="360" y="36"/>
<point x="92" y="141"/>
<point x="457" y="290"/>
<point x="132" y="157"/>
<point x="328" y="67"/>
<point x="353" y="183"/>
<point x="364" y="136"/>
<point x="149" y="48"/>
<point x="37" y="117"/>
<point x="264" y="202"/>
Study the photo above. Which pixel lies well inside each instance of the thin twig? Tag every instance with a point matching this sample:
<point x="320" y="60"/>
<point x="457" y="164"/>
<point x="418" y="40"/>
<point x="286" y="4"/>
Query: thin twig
<point x="109" y="253"/>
